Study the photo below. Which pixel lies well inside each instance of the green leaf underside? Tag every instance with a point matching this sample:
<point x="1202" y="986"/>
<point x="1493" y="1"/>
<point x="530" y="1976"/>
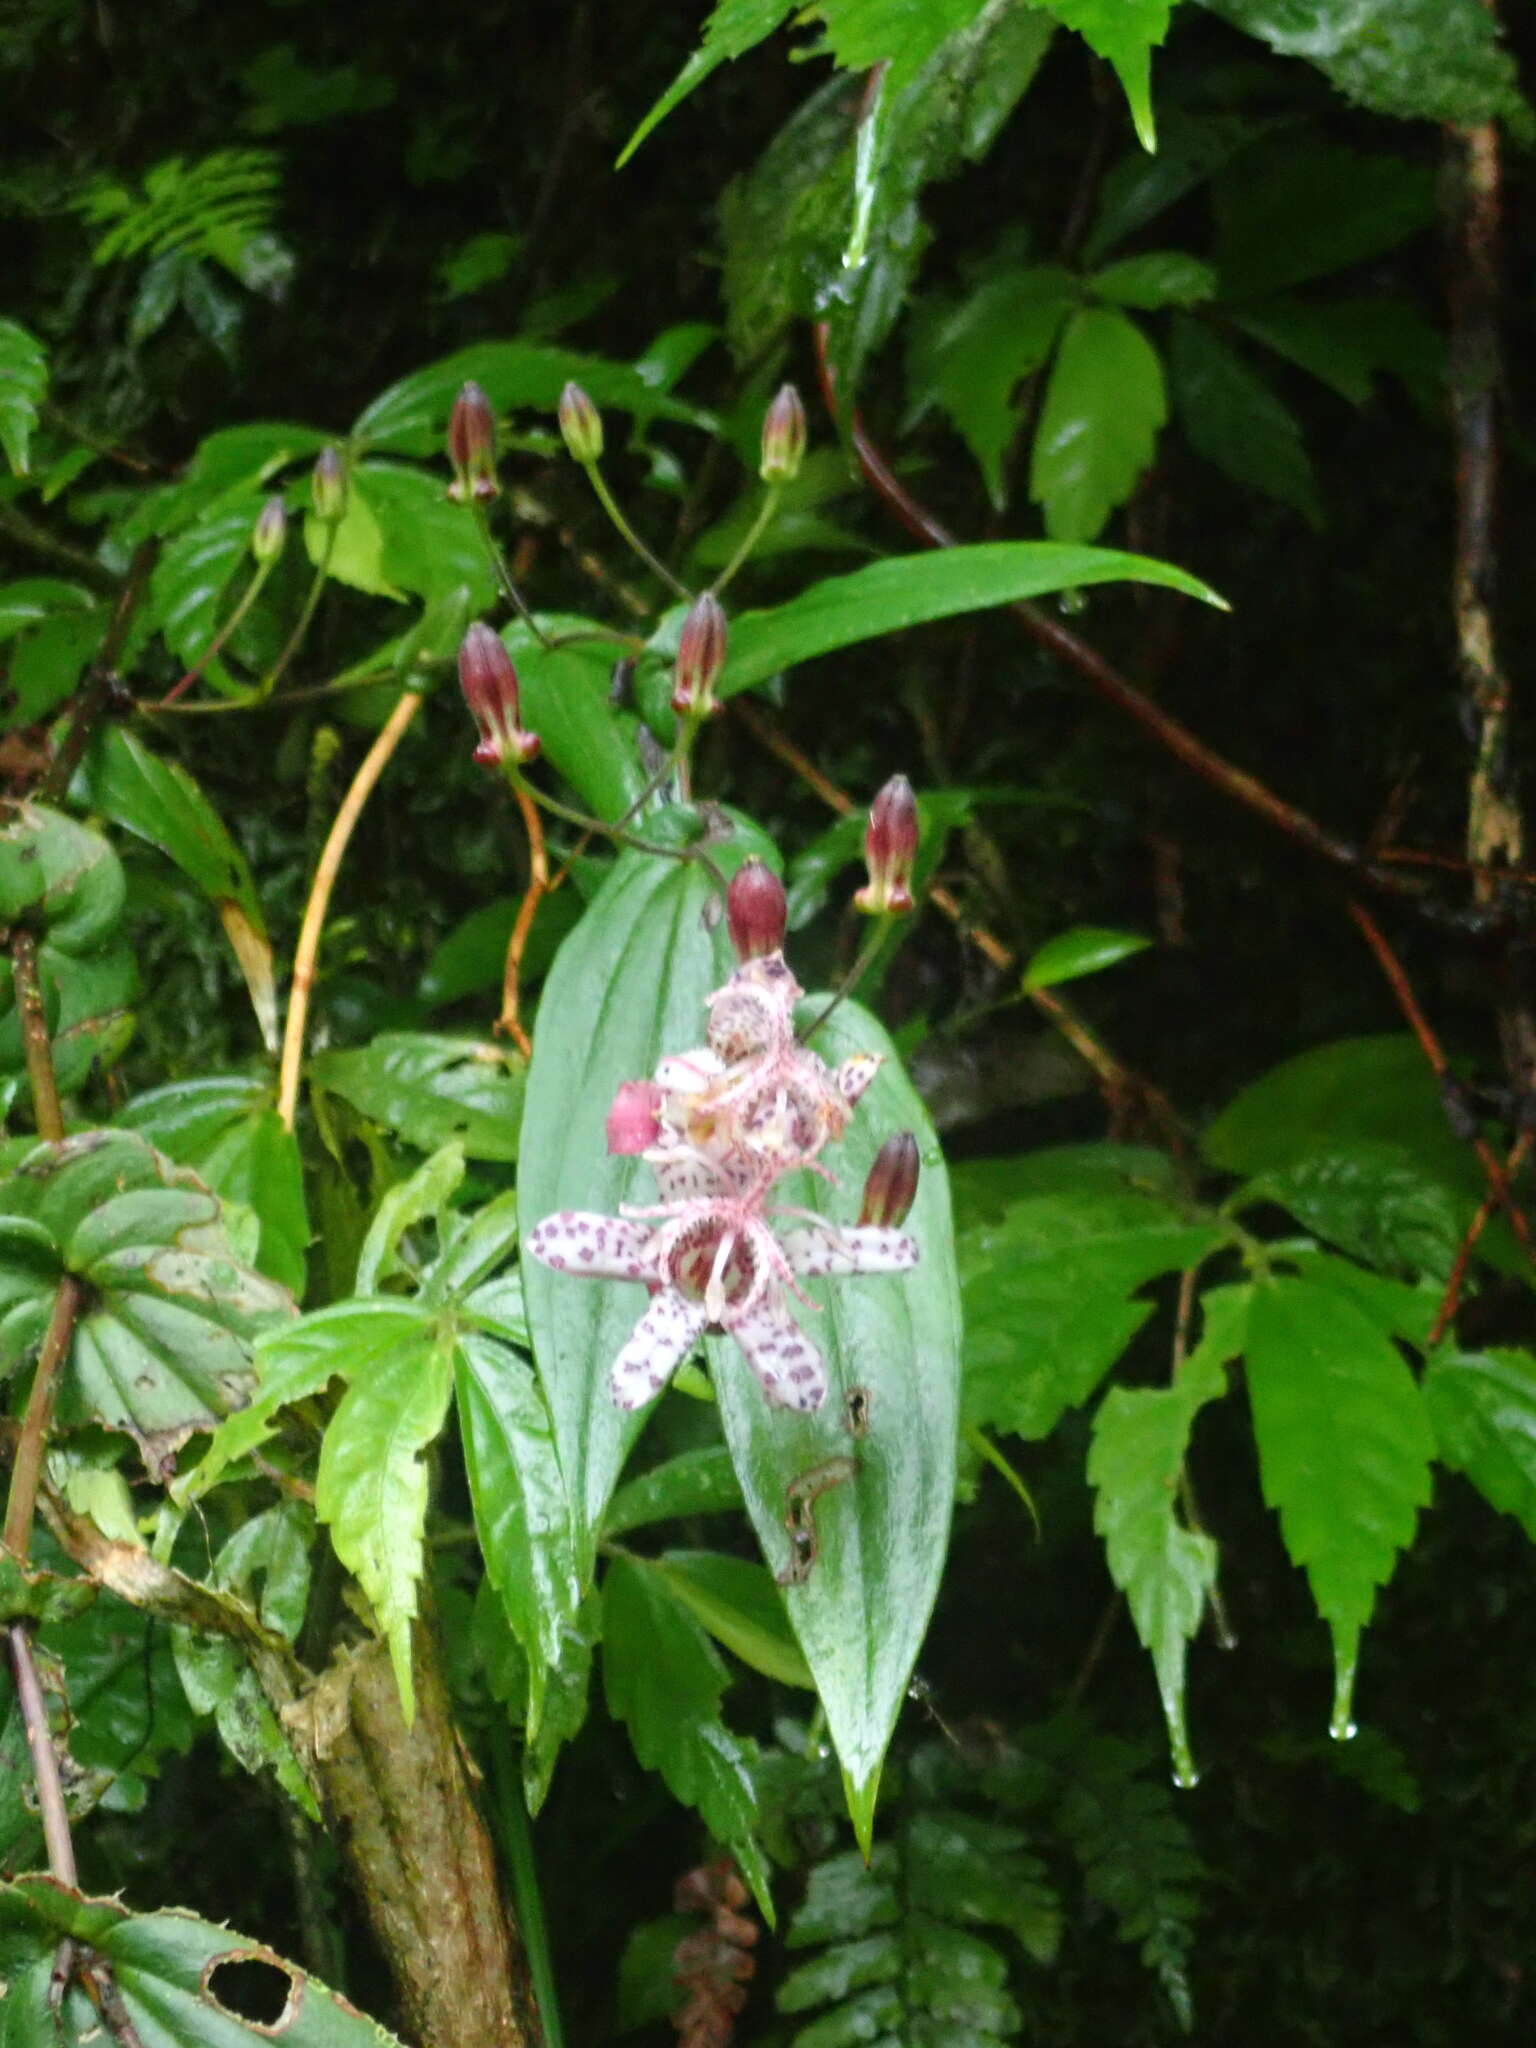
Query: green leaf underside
<point x="882" y="1533"/>
<point x="1104" y="405"/>
<point x="889" y="596"/>
<point x="165" y="1966"/>
<point x="1483" y="1407"/>
<point x="1345" y="1450"/>
<point x="628" y="985"/>
<point x="1052" y="1249"/>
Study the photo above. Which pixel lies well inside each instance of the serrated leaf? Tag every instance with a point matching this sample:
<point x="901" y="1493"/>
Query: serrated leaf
<point x="1483" y="1407"/>
<point x="371" y="1487"/>
<point x="701" y="1482"/>
<point x="423" y="1196"/>
<point x="1053" y="1249"/>
<point x="1376" y="1201"/>
<point x="1140" y="186"/>
<point x="424" y="542"/>
<point x="882" y="1532"/>
<point x="127" y="1706"/>
<point x="635" y="973"/>
<point x="166" y="1971"/>
<point x="164" y="1344"/>
<point x="1086" y="949"/>
<point x="733" y="28"/>
<point x="1345" y="1451"/>
<point x="741" y="1607"/>
<point x="433" y="1088"/>
<point x="665" y="1682"/>
<point x="23" y="381"/>
<point x="1165" y="1570"/>
<point x="1099" y="423"/>
<point x="49" y="662"/>
<point x="1124" y="33"/>
<point x="1232" y="418"/>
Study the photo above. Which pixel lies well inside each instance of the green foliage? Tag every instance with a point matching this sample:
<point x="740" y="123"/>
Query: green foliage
<point x="1483" y="1409"/>
<point x="1124" y="35"/>
<point x="1099" y="423"/>
<point x="23" y="381"/>
<point x="1084" y="950"/>
<point x="1233" y="418"/>
<point x="432" y="1088"/>
<point x="220" y="206"/>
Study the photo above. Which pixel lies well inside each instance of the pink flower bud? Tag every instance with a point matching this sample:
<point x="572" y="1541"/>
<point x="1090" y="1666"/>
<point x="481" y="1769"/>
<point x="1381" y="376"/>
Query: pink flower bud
<point x="634" y="1121"/>
<point x="890" y="847"/>
<point x="755" y="910"/>
<point x="700" y="658"/>
<point x="489" y="683"/>
<point x="269" y="532"/>
<point x="472" y="446"/>
<point x="783" y="437"/>
<point x="891" y="1187"/>
<point x="328" y="486"/>
<point x="581" y="426"/>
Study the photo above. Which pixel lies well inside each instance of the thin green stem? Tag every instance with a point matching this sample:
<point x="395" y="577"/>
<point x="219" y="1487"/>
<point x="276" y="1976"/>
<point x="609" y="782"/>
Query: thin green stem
<point x="252" y="592"/>
<point x="47" y="1112"/>
<point x="516" y="1836"/>
<point x="628" y="535"/>
<point x="752" y="536"/>
<point x="617" y="833"/>
<point x="503" y="574"/>
<point x="274" y="675"/>
<point x="855" y="974"/>
<point x="985" y="1449"/>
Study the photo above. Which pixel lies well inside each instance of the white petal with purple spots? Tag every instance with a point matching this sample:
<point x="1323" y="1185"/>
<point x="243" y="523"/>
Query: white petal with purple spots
<point x="790" y="1370"/>
<point x="594" y="1246"/>
<point x="656" y="1348"/>
<point x="826" y="1250"/>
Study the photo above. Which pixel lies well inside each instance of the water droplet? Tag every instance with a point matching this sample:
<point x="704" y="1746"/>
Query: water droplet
<point x="1185" y="1776"/>
<point x="1071" y="603"/>
<point x="1341" y="1725"/>
<point x="1343" y="1731"/>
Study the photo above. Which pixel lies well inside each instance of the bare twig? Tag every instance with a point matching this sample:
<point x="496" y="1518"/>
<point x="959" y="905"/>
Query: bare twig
<point x="27" y="1465"/>
<point x="45" y="1763"/>
<point x="509" y="1023"/>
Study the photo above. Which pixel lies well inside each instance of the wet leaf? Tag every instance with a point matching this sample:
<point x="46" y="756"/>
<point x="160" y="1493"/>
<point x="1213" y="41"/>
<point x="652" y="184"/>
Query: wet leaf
<point x="23" y="381"/>
<point x="1483" y="1407"/>
<point x="432" y="1088"/>
<point x="700" y="1482"/>
<point x="1103" y="408"/>
<point x="741" y="1607"/>
<point x="1124" y="33"/>
<point x="1086" y="949"/>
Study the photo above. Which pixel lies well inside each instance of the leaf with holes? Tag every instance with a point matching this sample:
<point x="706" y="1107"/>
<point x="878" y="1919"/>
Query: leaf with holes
<point x="183" y="1983"/>
<point x="23" y="381"/>
<point x="882" y="1526"/>
<point x="163" y="1346"/>
<point x="1345" y="1451"/>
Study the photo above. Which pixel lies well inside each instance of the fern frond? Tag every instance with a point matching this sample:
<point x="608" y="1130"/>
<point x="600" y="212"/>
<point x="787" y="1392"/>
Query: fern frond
<point x="216" y="206"/>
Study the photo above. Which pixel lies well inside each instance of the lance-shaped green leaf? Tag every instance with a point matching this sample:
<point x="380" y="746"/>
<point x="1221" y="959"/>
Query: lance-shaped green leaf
<point x="1165" y="1570"/>
<point x="423" y="1197"/>
<point x="159" y="801"/>
<point x="1483" y="1407"/>
<point x="23" y="381"/>
<point x="1235" y="421"/>
<point x="630" y="984"/>
<point x="882" y="1516"/>
<point x="173" y="1973"/>
<point x="1345" y="1451"/>
<point x="1104" y="405"/>
<point x="664" y="1680"/>
<point x="432" y="1087"/>
<point x="520" y="1505"/>
<point x="701" y="1482"/>
<point x="164" y="1345"/>
<point x="1086" y="949"/>
<point x="739" y="1604"/>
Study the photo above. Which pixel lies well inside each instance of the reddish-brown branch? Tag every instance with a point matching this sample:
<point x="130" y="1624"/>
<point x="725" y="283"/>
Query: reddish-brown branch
<point x="47" y="1112"/>
<point x="1450" y="1300"/>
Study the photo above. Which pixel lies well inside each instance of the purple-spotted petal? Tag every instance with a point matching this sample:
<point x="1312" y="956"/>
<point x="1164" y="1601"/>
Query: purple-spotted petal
<point x="656" y="1348"/>
<point x="823" y="1249"/>
<point x="595" y="1247"/>
<point x="789" y="1368"/>
<point x="855" y="1075"/>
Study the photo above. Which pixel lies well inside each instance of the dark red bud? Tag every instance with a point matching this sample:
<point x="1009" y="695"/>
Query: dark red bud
<point x="489" y="683"/>
<point x="783" y="437"/>
<point x="700" y="658"/>
<point x="755" y="910"/>
<point x="581" y="425"/>
<point x="890" y="847"/>
<point x="472" y="446"/>
<point x="891" y="1187"/>
<point x="328" y="486"/>
<point x="269" y="532"/>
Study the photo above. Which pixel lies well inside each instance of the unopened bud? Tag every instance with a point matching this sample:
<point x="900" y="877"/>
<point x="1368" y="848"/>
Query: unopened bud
<point x="783" y="437"/>
<point x="891" y="1186"/>
<point x="472" y="446"/>
<point x="634" y="1121"/>
<point x="269" y="532"/>
<point x="328" y="486"/>
<point x="489" y="683"/>
<point x="890" y="847"/>
<point x="581" y="426"/>
<point x="755" y="910"/>
<point x="700" y="658"/>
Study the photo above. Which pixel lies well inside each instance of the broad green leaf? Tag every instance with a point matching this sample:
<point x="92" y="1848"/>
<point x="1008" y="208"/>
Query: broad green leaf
<point x="520" y="1506"/>
<point x="1160" y="277"/>
<point x="1483" y="1407"/>
<point x="229" y="465"/>
<point x="881" y="1532"/>
<point x="1099" y="424"/>
<point x="664" y="1681"/>
<point x="432" y="1088"/>
<point x="911" y="590"/>
<point x="970" y="356"/>
<point x="1379" y="1202"/>
<point x="352" y="550"/>
<point x="1291" y="210"/>
<point x="1348" y="343"/>
<point x="167" y="1968"/>
<point x="192" y="575"/>
<point x="739" y="1604"/>
<point x="1086" y="949"/>
<point x="565" y="700"/>
<point x="421" y="1197"/>
<point x="1345" y="1453"/>
<point x="1234" y="420"/>
<point x="32" y="599"/>
<point x="701" y="1482"/>
<point x="371" y="1488"/>
<point x="426" y="544"/>
<point x="227" y="1130"/>
<point x="411" y="417"/>
<point x="159" y="801"/>
<point x="23" y="381"/>
<point x="470" y="1245"/>
<point x="1124" y="33"/>
<point x="629" y="984"/>
<point x="1139" y="187"/>
<point x="50" y="659"/>
<point x="1053" y="1251"/>
<point x="1426" y="60"/>
<point x="128" y="1708"/>
<point x="1165" y="1570"/>
<point x="21" y="1834"/>
<point x="473" y="956"/>
<point x="164" y="1344"/>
